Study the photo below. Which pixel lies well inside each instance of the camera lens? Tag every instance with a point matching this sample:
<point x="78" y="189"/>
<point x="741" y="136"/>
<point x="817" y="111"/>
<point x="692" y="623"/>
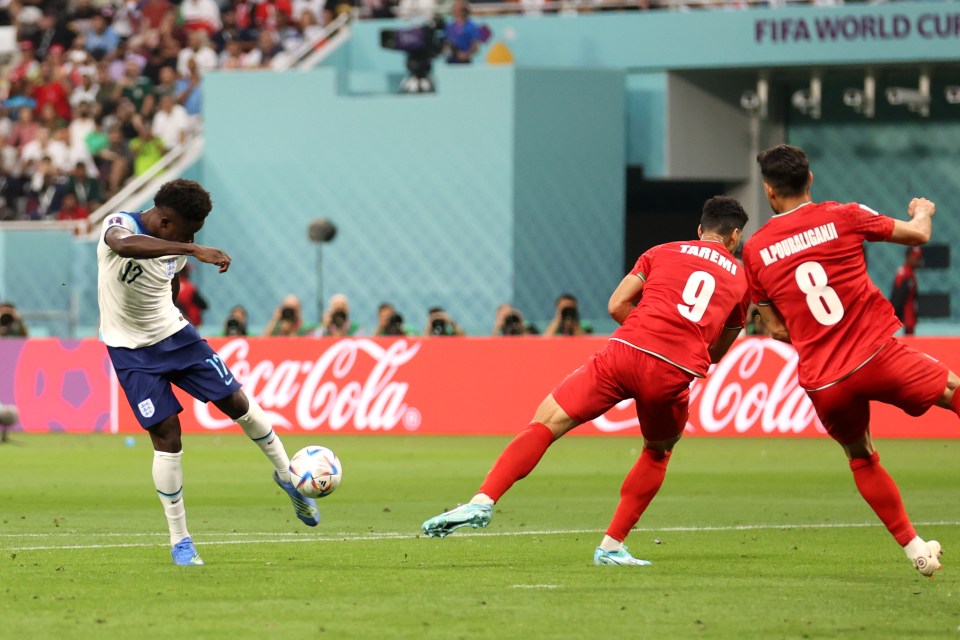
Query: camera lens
<point x="6" y="319"/>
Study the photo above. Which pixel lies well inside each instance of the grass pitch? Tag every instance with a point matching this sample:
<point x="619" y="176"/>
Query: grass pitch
<point x="749" y="539"/>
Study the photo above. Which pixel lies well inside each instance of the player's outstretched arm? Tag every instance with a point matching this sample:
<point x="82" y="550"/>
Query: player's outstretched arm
<point x="623" y="299"/>
<point x="917" y="230"/>
<point x="773" y="323"/>
<point x="137" y="245"/>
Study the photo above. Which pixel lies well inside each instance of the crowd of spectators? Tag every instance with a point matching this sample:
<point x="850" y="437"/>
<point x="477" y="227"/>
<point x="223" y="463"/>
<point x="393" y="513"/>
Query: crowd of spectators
<point x="97" y="92"/>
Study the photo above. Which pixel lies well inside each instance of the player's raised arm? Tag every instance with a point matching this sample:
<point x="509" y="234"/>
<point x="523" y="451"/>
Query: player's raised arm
<point x="127" y="244"/>
<point x="621" y="302"/>
<point x="917" y="230"/>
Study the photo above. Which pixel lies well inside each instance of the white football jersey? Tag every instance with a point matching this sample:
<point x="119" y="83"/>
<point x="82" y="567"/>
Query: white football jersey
<point x="135" y="295"/>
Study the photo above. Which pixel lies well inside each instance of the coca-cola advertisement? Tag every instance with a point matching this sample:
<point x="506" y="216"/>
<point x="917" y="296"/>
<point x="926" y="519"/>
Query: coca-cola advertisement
<point x="430" y="386"/>
<point x="493" y="386"/>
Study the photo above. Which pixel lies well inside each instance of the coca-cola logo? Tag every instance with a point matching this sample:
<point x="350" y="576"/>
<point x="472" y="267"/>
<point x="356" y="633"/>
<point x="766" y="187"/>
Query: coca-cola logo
<point x="753" y="390"/>
<point x="351" y="383"/>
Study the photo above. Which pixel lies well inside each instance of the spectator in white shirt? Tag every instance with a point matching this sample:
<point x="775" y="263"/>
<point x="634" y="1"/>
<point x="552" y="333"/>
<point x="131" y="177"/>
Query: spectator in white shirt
<point x="86" y="91"/>
<point x="199" y="50"/>
<point x="43" y="147"/>
<point x="171" y="123"/>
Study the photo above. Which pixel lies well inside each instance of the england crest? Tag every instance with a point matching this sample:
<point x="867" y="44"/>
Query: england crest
<point x="146" y="408"/>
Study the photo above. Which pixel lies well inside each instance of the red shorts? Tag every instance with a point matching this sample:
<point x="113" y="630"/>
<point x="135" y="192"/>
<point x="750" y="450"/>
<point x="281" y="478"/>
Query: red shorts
<point x="897" y="375"/>
<point x="618" y="372"/>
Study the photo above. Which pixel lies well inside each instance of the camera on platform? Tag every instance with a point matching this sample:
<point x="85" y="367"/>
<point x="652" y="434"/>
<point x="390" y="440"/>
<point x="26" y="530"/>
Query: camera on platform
<point x="422" y="44"/>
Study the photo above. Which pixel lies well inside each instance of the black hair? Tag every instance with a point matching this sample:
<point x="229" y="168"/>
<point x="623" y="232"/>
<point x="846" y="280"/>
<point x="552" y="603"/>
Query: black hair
<point x="185" y="198"/>
<point x="722" y="214"/>
<point x="786" y="169"/>
<point x="566" y="296"/>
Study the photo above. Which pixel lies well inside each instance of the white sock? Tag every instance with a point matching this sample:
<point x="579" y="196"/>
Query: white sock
<point x="481" y="498"/>
<point x="916" y="547"/>
<point x="258" y="429"/>
<point x="610" y="544"/>
<point x="168" y="479"/>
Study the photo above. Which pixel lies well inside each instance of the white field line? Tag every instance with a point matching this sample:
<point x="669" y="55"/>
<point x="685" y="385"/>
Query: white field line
<point x="283" y="538"/>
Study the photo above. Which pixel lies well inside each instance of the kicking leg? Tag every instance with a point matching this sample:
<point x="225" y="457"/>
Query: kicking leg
<point x="168" y="479"/>
<point x="881" y="493"/>
<point x="255" y="424"/>
<point x="524" y="452"/>
<point x="517" y="460"/>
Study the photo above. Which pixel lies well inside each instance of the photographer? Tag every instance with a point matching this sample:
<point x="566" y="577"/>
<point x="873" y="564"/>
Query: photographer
<point x="11" y="324"/>
<point x="441" y="324"/>
<point x="287" y="319"/>
<point x="236" y="323"/>
<point x="566" y="318"/>
<point x="336" y="319"/>
<point x="509" y="322"/>
<point x="390" y="323"/>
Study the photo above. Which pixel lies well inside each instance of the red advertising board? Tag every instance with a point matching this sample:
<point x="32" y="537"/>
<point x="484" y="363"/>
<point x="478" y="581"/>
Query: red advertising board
<point x="493" y="386"/>
<point x="430" y="386"/>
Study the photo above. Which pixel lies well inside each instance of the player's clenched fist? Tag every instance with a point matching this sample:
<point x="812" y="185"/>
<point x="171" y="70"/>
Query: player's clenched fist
<point x="921" y="206"/>
<point x="212" y="255"/>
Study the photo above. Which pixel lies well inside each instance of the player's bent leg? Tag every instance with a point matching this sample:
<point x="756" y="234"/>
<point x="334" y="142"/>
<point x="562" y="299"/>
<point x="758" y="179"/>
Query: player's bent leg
<point x="517" y="460"/>
<point x="882" y="494"/>
<point x="255" y="424"/>
<point x="525" y="451"/>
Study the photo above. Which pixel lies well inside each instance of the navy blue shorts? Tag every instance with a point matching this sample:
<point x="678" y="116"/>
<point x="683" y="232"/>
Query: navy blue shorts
<point x="184" y="359"/>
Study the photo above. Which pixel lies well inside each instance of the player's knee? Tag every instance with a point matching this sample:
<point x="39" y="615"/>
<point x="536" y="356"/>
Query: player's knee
<point x="235" y="405"/>
<point x="661" y="447"/>
<point x="166" y="435"/>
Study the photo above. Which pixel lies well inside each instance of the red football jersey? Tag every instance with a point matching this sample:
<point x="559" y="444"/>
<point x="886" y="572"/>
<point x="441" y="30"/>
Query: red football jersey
<point x="691" y="291"/>
<point x="809" y="263"/>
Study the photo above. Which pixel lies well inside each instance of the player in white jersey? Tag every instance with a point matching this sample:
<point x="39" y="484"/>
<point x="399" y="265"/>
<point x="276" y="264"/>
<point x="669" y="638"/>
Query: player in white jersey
<point x="151" y="346"/>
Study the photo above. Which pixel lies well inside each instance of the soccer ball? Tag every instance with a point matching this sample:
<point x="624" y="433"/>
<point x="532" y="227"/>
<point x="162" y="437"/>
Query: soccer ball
<point x="315" y="471"/>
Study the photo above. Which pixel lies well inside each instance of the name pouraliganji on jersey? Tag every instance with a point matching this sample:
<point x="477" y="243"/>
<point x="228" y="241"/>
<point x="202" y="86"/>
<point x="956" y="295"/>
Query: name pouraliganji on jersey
<point x="799" y="242"/>
<point x="135" y="295"/>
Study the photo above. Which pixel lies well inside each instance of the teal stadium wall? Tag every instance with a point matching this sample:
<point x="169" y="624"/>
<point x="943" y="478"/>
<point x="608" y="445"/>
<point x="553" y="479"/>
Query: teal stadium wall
<point x="414" y="208"/>
<point x="504" y="186"/>
<point x="884" y="165"/>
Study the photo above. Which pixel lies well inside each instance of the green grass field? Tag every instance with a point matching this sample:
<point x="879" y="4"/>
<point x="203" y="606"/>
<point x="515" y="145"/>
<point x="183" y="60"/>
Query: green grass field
<point x="749" y="539"/>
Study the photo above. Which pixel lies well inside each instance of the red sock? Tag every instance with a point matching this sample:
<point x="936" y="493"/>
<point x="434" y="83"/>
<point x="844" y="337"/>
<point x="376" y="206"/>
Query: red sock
<point x="881" y="493"/>
<point x="517" y="460"/>
<point x="639" y="488"/>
